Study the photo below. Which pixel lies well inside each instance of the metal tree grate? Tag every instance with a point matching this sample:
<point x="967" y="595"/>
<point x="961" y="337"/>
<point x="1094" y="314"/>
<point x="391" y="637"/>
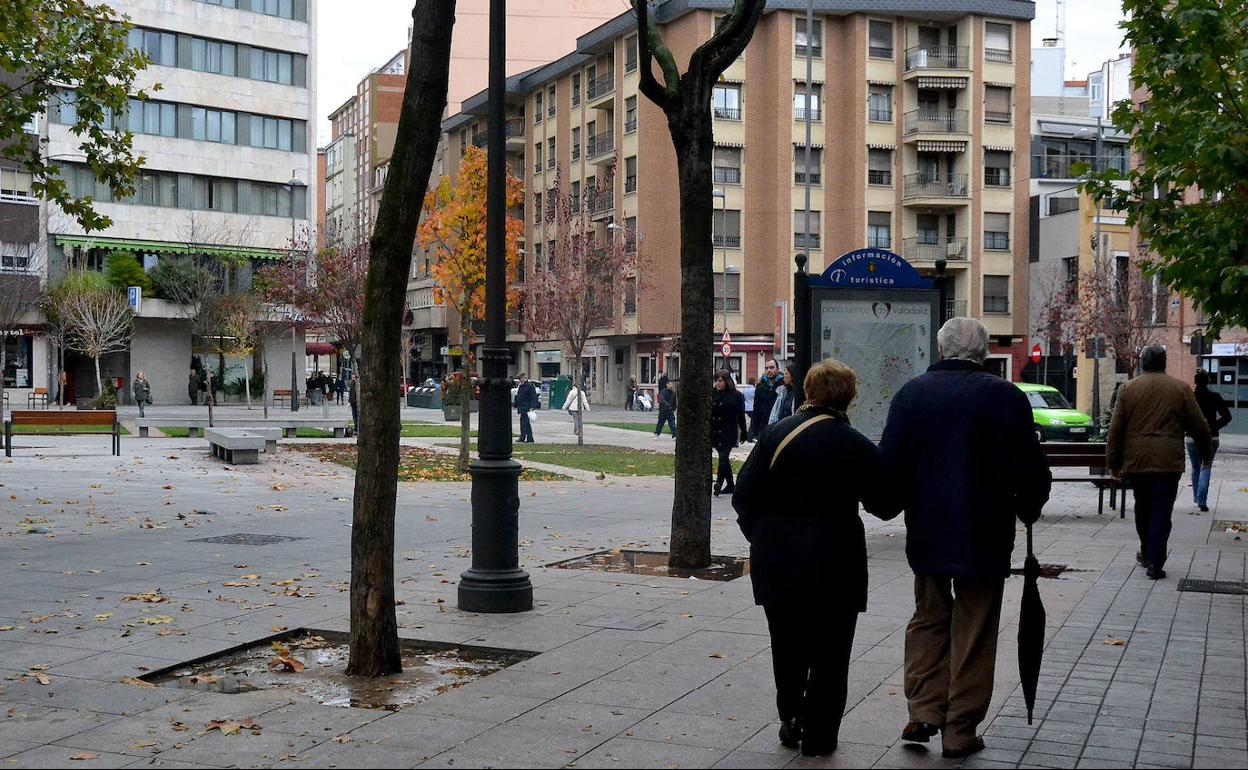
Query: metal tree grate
<point x="248" y="538"/>
<point x="1213" y="586"/>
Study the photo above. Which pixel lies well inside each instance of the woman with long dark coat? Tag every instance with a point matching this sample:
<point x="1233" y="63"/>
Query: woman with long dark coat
<point x="727" y="425"/>
<point x="797" y="504"/>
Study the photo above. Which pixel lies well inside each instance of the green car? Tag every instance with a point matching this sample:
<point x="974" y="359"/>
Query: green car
<point x="1055" y="418"/>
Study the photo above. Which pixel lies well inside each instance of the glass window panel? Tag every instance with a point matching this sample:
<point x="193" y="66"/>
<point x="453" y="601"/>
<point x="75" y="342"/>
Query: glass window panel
<point x="134" y="39"/>
<point x="283" y="202"/>
<point x="257" y="64"/>
<point x="270" y="133"/>
<point x="69" y="108"/>
<point x="134" y="116"/>
<point x="214" y="126"/>
<point x="229" y="54"/>
<point x="168" y="49"/>
<point x="997" y="36"/>
<point x="283" y="135"/>
<point x="199" y="193"/>
<point x="227" y="127"/>
<point x="168" y="119"/>
<point x="151" y="118"/>
<point x="199" y="123"/>
<point x="257" y="131"/>
<point x="283" y="68"/>
<point x="284" y="9"/>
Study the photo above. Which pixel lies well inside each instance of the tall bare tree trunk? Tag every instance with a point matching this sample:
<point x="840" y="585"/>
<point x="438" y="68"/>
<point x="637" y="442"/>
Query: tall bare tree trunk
<point x="576" y="383"/>
<point x="374" y="642"/>
<point x="99" y="382"/>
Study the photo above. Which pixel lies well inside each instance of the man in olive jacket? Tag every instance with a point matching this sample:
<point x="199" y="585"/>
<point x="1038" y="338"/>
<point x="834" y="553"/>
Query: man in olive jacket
<point x="961" y="455"/>
<point x="1145" y="446"/>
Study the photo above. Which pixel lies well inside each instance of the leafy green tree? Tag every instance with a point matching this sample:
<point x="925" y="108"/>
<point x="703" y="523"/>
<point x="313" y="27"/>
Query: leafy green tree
<point x="46" y="47"/>
<point x="124" y="270"/>
<point x="1188" y="191"/>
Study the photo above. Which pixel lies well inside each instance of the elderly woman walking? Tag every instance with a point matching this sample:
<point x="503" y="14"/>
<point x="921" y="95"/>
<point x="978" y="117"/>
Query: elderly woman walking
<point x="797" y="504"/>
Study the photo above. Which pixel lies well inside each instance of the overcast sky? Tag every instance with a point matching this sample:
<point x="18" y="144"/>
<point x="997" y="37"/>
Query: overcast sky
<point x="355" y="37"/>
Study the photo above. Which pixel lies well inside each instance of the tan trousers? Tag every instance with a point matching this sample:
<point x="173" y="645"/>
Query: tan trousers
<point x="951" y="652"/>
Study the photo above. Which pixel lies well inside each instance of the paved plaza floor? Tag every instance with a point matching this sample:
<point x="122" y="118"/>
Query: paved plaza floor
<point x="1136" y="673"/>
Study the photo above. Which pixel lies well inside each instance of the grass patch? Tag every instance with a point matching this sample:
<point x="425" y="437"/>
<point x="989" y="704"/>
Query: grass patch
<point x="430" y="430"/>
<point x="602" y="458"/>
<point x="299" y="433"/>
<point x="644" y="427"/>
<point x="63" y="430"/>
<point x="414" y="464"/>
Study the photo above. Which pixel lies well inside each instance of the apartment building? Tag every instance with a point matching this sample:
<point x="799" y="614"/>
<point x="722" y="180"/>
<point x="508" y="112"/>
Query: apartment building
<point x="230" y="169"/>
<point x="922" y="143"/>
<point x="20" y="271"/>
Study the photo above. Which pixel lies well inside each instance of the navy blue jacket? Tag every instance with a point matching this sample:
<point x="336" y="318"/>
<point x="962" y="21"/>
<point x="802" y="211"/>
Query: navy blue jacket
<point x="963" y="460"/>
<point x="526" y="397"/>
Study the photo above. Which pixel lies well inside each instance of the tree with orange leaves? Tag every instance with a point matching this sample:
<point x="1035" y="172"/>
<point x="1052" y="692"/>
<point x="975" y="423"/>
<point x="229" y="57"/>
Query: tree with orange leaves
<point x="454" y="231"/>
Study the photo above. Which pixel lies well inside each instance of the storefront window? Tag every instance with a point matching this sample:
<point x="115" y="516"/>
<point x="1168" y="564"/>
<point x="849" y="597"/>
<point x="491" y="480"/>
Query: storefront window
<point x="15" y="351"/>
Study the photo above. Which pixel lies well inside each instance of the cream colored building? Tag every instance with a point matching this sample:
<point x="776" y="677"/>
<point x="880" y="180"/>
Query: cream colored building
<point x="921" y="146"/>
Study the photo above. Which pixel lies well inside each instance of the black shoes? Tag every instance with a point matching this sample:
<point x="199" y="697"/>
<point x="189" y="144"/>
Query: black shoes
<point x="1139" y="559"/>
<point x="919" y="732"/>
<point x="1204" y="509"/>
<point x="815" y="748"/>
<point x="791" y="732"/>
<point x="974" y="747"/>
<point x="1156" y="573"/>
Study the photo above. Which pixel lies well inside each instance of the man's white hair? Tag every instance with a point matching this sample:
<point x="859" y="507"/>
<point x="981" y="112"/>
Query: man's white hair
<point x="963" y="338"/>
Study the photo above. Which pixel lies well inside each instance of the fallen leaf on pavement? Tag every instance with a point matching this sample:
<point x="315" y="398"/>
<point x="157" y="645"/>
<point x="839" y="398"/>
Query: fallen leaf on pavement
<point x="716" y="655"/>
<point x="85" y="755"/>
<point x="102" y="616"/>
<point x="157" y="620"/>
<point x="1115" y="642"/>
<point x="341" y="739"/>
<point x="230" y="727"/>
<point x="288" y="663"/>
<point x="134" y="680"/>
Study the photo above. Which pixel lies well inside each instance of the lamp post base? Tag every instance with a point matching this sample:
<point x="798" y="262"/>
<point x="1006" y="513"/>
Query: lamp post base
<point x="495" y="582"/>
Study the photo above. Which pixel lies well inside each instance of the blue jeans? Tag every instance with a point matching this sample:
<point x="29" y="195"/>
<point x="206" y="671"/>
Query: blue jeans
<point x="1200" y="476"/>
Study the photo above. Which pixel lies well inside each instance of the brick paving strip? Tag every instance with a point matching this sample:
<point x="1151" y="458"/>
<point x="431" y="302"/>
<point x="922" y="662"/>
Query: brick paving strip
<point x="80" y="531"/>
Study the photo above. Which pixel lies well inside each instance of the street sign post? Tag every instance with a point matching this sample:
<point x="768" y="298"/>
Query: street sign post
<point x="1035" y="354"/>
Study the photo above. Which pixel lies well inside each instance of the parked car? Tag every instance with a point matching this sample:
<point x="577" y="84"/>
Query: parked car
<point x="1055" y="419"/>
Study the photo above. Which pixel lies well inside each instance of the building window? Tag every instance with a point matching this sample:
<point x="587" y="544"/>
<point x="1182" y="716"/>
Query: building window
<point x="802" y="237"/>
<point x="996" y="294"/>
<point x="160" y="47"/>
<point x="552" y="198"/>
<point x="217" y="126"/>
<point x="15" y="184"/>
<point x="550" y="255"/>
<point x="272" y="133"/>
<point x="880" y="103"/>
<point x="880" y="44"/>
<point x="800" y="38"/>
<point x="726" y="165"/>
<point x="726" y="101"/>
<point x="997" y="232"/>
<point x="538" y="211"/>
<point x="154" y="118"/>
<point x="576" y="89"/>
<point x="550" y="152"/>
<point x="806" y="97"/>
<point x="630" y="235"/>
<point x="211" y="194"/>
<point x="927" y="229"/>
<point x="800" y="170"/>
<point x="997" y="45"/>
<point x="575" y="202"/>
<point x="630" y="174"/>
<point x="996" y="168"/>
<point x="12" y="258"/>
<point x="550" y="102"/>
<point x="273" y="67"/>
<point x="630" y="53"/>
<point x="630" y="114"/>
<point x="537" y="157"/>
<point x="286" y="9"/>
<point x="728" y="292"/>
<point x="538" y="112"/>
<point x="630" y="296"/>
<point x="997" y="104"/>
<point x="726" y="228"/>
<point x="212" y="56"/>
<point x="880" y="167"/>
<point x="879" y="229"/>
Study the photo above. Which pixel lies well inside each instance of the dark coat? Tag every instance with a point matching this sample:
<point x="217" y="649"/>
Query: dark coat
<point x="801" y="516"/>
<point x="1153" y="413"/>
<point x="526" y="397"/>
<point x="727" y="417"/>
<point x="963" y="460"/>
<point x="667" y="401"/>
<point x="765" y="397"/>
<point x="1214" y="408"/>
<point x="663" y="380"/>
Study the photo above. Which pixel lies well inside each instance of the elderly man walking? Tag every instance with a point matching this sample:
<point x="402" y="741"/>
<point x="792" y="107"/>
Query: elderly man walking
<point x="962" y="457"/>
<point x="1145" y="446"/>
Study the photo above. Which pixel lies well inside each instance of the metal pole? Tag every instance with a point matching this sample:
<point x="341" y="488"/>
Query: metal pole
<point x="723" y="277"/>
<point x="294" y="345"/>
<point x="810" y="34"/>
<point x="495" y="582"/>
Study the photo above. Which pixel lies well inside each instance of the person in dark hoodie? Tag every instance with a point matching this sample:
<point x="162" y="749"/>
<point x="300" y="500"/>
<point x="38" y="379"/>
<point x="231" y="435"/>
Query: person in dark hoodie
<point x="1216" y="413"/>
<point x="797" y="504"/>
<point x="765" y="396"/>
<point x="962" y="457"/>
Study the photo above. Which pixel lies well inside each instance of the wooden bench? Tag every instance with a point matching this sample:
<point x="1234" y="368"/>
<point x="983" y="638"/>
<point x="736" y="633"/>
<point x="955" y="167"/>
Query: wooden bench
<point x="37" y="397"/>
<point x="288" y="425"/>
<point x="236" y="446"/>
<point x="67" y="419"/>
<point x="283" y="394"/>
<point x="1090" y="455"/>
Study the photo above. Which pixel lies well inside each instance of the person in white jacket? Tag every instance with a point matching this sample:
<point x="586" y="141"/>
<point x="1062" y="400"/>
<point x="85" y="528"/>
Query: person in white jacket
<point x="576" y="401"/>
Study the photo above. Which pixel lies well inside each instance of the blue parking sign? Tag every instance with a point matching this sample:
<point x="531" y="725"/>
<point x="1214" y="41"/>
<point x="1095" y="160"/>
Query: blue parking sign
<point x="135" y="295"/>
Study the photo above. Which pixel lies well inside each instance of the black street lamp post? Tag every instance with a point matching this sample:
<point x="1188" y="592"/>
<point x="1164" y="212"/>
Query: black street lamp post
<point x="495" y="582"/>
<point x="801" y="328"/>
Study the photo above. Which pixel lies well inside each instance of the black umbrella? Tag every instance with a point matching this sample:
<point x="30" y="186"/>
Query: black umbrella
<point x="1030" y="629"/>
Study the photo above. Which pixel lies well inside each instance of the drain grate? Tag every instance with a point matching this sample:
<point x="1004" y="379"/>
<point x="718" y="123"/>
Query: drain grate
<point x="248" y="538"/>
<point x="1213" y="586"/>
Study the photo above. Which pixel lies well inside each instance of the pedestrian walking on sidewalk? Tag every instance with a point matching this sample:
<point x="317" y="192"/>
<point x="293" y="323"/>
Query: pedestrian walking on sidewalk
<point x="526" y="401"/>
<point x="961" y="454"/>
<point x="797" y="504"/>
<point x="353" y="399"/>
<point x="748" y="394"/>
<point x="667" y="410"/>
<point x="1218" y="416"/>
<point x="1145" y="447"/>
<point x="786" y="398"/>
<point x="630" y="402"/>
<point x="575" y="404"/>
<point x="727" y="425"/>
<point x="192" y="388"/>
<point x="142" y="390"/>
<point x="765" y="396"/>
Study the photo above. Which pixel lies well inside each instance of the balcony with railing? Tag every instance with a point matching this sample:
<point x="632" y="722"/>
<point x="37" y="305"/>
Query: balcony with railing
<point x="929" y="248"/>
<point x="600" y="146"/>
<point x="1066" y="166"/>
<point x="726" y="175"/>
<point x="880" y="241"/>
<point x="726" y="113"/>
<point x="801" y="240"/>
<point x="630" y="125"/>
<point x="937" y="122"/>
<point x="630" y="184"/>
<point x="935" y="186"/>
<point x="601" y="202"/>
<point x="999" y="117"/>
<point x="955" y="308"/>
<point x="880" y="114"/>
<point x="882" y="177"/>
<point x="600" y="88"/>
<point x="726" y="241"/>
<point x="937" y="57"/>
<point x="996" y="241"/>
<point x="1003" y="55"/>
<point x="799" y="113"/>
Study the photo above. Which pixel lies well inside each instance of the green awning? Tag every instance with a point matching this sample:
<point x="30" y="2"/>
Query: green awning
<point x="161" y="247"/>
